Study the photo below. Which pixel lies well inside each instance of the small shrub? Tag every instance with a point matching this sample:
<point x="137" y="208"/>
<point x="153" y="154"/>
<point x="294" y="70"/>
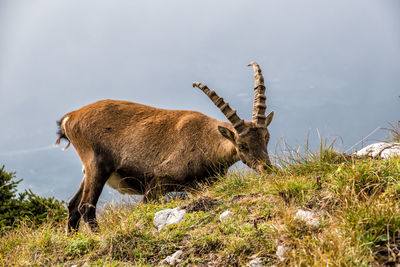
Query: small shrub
<point x="80" y="245"/>
<point x="26" y="206"/>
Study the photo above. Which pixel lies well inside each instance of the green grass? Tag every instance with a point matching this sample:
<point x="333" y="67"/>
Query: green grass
<point x="357" y="201"/>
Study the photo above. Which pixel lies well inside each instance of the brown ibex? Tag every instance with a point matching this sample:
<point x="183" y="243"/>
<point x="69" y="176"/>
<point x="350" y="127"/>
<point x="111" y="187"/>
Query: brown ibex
<point x="136" y="148"/>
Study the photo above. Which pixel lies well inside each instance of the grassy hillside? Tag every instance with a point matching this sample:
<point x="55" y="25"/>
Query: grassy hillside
<point x="356" y="202"/>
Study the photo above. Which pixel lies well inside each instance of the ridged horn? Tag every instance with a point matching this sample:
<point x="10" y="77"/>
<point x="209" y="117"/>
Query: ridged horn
<point x="229" y="113"/>
<point x="259" y="106"/>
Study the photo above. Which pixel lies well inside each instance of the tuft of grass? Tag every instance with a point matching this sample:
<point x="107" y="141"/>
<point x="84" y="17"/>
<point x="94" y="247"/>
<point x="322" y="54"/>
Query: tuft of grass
<point x="394" y="132"/>
<point x="303" y="160"/>
<point x="80" y="245"/>
<point x="364" y="179"/>
<point x="376" y="230"/>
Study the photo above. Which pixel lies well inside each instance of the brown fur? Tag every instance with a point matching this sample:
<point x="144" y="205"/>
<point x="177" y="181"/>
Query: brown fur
<point x="145" y="145"/>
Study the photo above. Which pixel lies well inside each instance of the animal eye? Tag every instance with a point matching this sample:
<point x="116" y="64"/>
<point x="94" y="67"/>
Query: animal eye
<point x="242" y="147"/>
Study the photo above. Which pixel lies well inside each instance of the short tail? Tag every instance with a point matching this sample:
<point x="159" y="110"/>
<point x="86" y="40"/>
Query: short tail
<point x="61" y="135"/>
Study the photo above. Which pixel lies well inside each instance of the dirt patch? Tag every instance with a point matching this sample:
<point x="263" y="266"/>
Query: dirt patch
<point x="388" y="254"/>
<point x="202" y="204"/>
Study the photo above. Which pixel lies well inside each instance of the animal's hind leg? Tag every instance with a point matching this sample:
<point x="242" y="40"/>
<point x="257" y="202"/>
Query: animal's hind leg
<point x="73" y="213"/>
<point x="95" y="179"/>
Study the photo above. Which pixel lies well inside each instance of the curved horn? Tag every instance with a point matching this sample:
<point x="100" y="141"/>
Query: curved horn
<point x="259" y="106"/>
<point x="229" y="113"/>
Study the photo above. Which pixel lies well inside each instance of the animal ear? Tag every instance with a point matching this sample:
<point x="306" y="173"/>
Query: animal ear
<point x="228" y="134"/>
<point x="269" y="118"/>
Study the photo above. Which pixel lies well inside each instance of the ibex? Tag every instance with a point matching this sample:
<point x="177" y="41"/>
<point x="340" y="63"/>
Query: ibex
<point x="136" y="148"/>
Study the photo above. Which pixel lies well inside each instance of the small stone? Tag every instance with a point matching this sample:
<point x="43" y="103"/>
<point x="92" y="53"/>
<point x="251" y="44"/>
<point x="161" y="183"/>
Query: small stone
<point x="226" y="215"/>
<point x="173" y="259"/>
<point x="168" y="216"/>
<point x="257" y="262"/>
<point x="281" y="252"/>
<point x="308" y="217"/>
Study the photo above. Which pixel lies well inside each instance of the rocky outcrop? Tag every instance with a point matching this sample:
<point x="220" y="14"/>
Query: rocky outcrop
<point x="380" y="150"/>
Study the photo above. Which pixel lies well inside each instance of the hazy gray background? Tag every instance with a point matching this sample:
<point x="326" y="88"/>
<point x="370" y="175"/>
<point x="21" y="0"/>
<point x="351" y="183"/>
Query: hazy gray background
<point x="329" y="65"/>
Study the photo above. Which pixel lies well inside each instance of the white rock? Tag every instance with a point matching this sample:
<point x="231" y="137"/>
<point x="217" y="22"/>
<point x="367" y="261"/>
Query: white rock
<point x="226" y="215"/>
<point x="257" y="262"/>
<point x="380" y="150"/>
<point x="308" y="217"/>
<point x="281" y="252"/>
<point x="168" y="216"/>
<point x="173" y="259"/>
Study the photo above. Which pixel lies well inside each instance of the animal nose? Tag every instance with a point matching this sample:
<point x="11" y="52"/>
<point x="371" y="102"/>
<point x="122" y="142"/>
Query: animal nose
<point x="264" y="167"/>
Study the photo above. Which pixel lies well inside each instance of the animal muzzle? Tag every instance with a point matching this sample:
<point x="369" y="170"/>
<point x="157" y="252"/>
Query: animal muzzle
<point x="263" y="166"/>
